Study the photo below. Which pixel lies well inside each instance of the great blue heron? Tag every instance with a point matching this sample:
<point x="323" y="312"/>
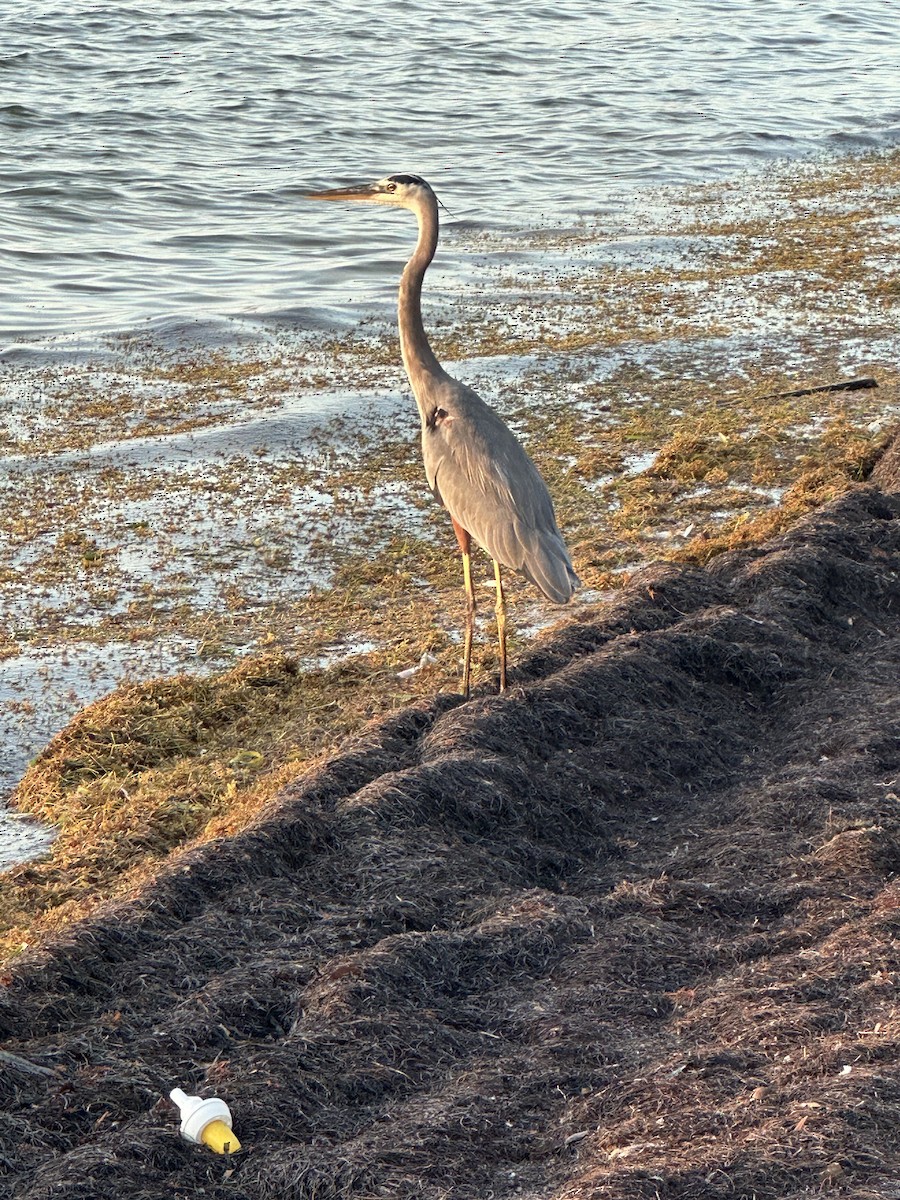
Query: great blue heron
<point x="474" y="465"/>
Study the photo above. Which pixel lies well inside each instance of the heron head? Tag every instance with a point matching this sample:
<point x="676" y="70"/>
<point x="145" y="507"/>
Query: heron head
<point x="399" y="191"/>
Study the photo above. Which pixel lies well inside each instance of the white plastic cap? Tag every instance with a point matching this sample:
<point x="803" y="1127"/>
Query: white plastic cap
<point x="197" y="1113"/>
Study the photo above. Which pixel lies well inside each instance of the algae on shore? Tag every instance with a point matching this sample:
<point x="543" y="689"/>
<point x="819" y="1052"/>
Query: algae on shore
<point x="243" y="505"/>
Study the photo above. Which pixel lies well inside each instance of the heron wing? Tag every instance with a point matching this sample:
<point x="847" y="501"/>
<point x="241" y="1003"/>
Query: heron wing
<point x="489" y="485"/>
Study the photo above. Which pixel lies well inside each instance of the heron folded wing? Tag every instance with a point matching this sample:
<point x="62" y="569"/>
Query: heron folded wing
<point x="482" y="507"/>
<point x="490" y="487"/>
<point x="547" y="564"/>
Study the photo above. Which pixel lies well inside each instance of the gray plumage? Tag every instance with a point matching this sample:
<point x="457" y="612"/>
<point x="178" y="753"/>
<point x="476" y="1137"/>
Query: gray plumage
<point x="487" y="482"/>
<point x="473" y="463"/>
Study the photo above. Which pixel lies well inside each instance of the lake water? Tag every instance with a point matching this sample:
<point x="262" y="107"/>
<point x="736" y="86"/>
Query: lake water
<point x="155" y="156"/>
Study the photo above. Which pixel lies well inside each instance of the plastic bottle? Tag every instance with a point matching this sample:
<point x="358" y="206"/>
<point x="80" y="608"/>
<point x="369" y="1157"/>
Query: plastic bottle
<point x="206" y="1122"/>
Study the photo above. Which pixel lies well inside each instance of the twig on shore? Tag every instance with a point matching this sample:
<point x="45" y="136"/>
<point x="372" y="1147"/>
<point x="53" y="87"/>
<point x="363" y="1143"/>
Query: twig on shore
<point x="846" y="385"/>
<point x="24" y="1065"/>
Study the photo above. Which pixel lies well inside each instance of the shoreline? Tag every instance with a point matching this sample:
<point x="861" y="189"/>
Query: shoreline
<point x="631" y="362"/>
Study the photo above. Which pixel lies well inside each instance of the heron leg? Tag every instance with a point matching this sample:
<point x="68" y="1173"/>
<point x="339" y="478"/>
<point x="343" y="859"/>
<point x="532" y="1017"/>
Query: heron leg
<point x="501" y="625"/>
<point x="465" y="545"/>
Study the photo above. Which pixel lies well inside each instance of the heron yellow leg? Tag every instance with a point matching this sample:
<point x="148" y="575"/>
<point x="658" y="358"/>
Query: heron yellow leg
<point x="465" y="545"/>
<point x="501" y="625"/>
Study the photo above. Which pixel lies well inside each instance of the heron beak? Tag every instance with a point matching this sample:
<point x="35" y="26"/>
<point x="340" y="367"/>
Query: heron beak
<point x="363" y="191"/>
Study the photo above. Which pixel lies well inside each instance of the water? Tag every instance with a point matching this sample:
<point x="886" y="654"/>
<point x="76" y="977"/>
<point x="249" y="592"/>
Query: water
<point x="155" y="156"/>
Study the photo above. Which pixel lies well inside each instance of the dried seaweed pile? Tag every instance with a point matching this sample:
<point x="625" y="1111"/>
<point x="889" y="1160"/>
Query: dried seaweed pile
<point x="629" y="931"/>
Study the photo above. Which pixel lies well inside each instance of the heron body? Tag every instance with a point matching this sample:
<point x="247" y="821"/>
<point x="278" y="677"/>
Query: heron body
<point x="473" y="463"/>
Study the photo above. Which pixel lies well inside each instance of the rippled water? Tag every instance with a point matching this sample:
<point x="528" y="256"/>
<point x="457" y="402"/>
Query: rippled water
<point x="154" y="161"/>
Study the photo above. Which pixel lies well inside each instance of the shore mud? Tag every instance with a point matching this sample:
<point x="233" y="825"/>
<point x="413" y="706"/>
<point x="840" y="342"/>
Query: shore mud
<point x="628" y="931"/>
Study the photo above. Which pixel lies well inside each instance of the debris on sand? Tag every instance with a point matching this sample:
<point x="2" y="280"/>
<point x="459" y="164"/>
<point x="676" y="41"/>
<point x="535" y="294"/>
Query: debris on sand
<point x="618" y="933"/>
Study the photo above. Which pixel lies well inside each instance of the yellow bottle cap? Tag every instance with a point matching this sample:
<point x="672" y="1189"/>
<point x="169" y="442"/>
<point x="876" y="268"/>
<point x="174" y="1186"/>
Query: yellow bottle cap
<point x="217" y="1136"/>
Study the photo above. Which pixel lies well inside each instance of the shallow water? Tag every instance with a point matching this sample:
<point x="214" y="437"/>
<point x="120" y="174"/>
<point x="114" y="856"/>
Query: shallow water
<point x="154" y="163"/>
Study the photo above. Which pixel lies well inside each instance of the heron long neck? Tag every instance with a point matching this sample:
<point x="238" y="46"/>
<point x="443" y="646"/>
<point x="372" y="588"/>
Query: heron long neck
<point x="418" y="357"/>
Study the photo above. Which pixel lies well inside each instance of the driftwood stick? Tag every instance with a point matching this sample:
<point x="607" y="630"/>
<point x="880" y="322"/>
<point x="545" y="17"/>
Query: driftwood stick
<point x="845" y="385"/>
<point x="23" y="1065"/>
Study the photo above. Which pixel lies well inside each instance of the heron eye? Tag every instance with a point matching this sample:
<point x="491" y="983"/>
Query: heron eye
<point x="392" y="187"/>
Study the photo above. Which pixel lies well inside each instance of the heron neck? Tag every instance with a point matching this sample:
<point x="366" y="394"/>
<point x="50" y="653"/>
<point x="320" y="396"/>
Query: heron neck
<point x="418" y="358"/>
